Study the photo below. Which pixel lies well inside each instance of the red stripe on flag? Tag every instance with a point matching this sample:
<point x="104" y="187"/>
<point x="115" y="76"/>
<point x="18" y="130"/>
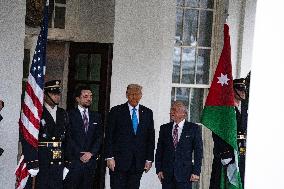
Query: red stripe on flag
<point x="29" y="114"/>
<point x="21" y="173"/>
<point x="27" y="135"/>
<point x="34" y="97"/>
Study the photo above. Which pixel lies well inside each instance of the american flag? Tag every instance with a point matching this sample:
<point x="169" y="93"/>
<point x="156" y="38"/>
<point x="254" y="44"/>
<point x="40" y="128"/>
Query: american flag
<point x="32" y="106"/>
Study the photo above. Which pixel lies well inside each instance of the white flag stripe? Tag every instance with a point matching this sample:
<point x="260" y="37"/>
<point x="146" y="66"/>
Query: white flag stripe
<point x="28" y="101"/>
<point x="21" y="159"/>
<point x="29" y="126"/>
<point x="37" y="90"/>
<point x="23" y="183"/>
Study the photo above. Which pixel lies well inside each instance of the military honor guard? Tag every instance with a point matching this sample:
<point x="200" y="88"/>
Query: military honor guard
<point x="240" y="95"/>
<point x="49" y="165"/>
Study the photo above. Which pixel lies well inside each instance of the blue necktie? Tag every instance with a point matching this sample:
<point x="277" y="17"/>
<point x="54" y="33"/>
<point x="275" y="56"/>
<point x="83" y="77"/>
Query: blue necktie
<point x="134" y="120"/>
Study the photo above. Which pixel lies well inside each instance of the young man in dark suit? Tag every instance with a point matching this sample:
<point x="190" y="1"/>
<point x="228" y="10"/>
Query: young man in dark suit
<point x="178" y="140"/>
<point x="86" y="137"/>
<point x="130" y="141"/>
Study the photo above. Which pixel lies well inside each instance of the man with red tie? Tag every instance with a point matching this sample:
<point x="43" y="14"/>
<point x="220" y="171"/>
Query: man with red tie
<point x="178" y="141"/>
<point x="130" y="141"/>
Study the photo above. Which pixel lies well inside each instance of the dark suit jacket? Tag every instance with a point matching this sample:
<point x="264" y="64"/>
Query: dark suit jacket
<point x="85" y="142"/>
<point x="178" y="162"/>
<point x="123" y="144"/>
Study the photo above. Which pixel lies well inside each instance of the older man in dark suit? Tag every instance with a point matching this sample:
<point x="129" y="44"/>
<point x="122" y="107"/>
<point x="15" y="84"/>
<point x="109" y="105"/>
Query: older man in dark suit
<point x="178" y="140"/>
<point x="86" y="137"/>
<point x="130" y="141"/>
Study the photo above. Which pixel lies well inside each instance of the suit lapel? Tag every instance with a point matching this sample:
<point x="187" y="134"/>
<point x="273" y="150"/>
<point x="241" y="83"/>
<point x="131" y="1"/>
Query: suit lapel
<point x="91" y="122"/>
<point x="141" y="119"/>
<point x="127" y="116"/>
<point x="48" y="116"/>
<point x="80" y="120"/>
<point x="184" y="133"/>
<point x="170" y="131"/>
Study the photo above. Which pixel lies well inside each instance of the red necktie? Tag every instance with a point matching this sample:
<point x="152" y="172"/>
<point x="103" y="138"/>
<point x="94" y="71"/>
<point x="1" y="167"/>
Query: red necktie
<point x="175" y="135"/>
<point x="85" y="121"/>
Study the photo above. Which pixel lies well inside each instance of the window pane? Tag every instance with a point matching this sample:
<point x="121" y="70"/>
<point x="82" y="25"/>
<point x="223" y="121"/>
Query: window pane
<point x="81" y="67"/>
<point x="188" y="65"/>
<point x="191" y="3"/>
<point x="205" y="30"/>
<point x="203" y="66"/>
<point x="60" y="1"/>
<point x="50" y="13"/>
<point x="176" y="65"/>
<point x="95" y="90"/>
<point x="182" y="94"/>
<point x="95" y="67"/>
<point x="207" y="4"/>
<point x="173" y="94"/>
<point x="190" y="27"/>
<point x="180" y="2"/>
<point x="179" y="27"/>
<point x="59" y="19"/>
<point x="196" y="104"/>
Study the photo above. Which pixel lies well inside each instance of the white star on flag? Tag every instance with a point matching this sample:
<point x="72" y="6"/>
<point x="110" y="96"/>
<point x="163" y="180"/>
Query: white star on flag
<point x="223" y="79"/>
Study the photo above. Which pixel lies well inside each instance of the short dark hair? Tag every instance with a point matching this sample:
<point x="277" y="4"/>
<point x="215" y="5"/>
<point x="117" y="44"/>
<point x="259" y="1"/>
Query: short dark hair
<point x="79" y="90"/>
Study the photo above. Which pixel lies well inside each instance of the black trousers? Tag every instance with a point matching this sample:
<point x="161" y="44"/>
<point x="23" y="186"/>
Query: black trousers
<point x="173" y="184"/>
<point x="48" y="177"/>
<point x="80" y="178"/>
<point x="129" y="179"/>
<point x="242" y="165"/>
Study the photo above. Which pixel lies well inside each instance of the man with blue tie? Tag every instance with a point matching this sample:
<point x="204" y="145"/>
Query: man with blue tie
<point x="178" y="141"/>
<point x="86" y="137"/>
<point x="130" y="141"/>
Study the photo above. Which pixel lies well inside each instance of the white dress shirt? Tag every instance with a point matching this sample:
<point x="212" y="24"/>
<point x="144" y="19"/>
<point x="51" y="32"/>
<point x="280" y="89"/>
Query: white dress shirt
<point x="81" y="109"/>
<point x="51" y="110"/>
<point x="131" y="111"/>
<point x="180" y="127"/>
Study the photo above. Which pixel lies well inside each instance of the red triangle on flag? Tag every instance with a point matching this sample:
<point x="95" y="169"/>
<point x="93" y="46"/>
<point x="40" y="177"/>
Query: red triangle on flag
<point x="221" y="91"/>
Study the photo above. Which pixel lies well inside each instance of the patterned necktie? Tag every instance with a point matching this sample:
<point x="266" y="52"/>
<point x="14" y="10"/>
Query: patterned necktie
<point x="134" y="120"/>
<point x="175" y="135"/>
<point x="85" y="121"/>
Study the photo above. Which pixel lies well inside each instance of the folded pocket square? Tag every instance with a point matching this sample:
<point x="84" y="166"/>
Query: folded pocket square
<point x="187" y="136"/>
<point x="95" y="123"/>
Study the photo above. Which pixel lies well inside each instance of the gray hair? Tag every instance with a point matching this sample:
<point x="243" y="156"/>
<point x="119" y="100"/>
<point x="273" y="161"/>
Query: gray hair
<point x="134" y="87"/>
<point x="181" y="105"/>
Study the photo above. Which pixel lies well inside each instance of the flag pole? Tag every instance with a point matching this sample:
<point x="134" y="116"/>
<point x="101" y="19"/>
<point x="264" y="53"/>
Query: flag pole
<point x="34" y="182"/>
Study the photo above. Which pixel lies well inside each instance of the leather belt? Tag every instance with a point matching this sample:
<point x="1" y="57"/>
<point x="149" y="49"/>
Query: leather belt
<point x="50" y="144"/>
<point x="241" y="137"/>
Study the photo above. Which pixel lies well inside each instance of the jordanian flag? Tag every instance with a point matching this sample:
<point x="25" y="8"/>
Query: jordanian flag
<point x="219" y="114"/>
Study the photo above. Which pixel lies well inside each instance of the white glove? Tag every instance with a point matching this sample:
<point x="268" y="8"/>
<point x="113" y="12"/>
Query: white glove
<point x="65" y="172"/>
<point x="226" y="161"/>
<point x="33" y="172"/>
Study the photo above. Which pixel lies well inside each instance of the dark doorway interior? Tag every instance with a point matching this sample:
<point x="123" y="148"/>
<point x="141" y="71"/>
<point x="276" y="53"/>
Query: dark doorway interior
<point x="90" y="64"/>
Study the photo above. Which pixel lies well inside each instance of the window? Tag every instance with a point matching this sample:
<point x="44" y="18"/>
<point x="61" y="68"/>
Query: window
<point x="192" y="54"/>
<point x="57" y="10"/>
